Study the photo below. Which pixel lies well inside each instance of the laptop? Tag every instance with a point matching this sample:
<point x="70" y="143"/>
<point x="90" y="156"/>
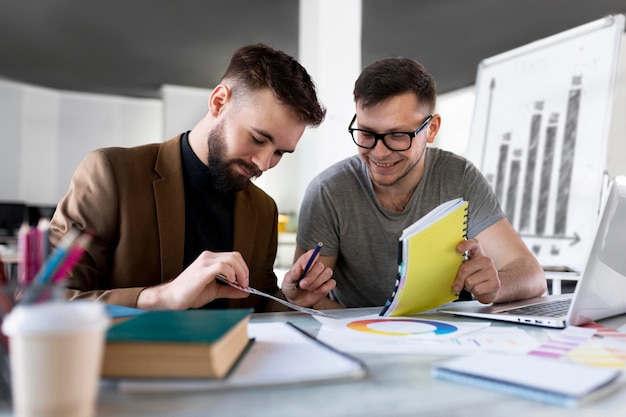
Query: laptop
<point x="601" y="289"/>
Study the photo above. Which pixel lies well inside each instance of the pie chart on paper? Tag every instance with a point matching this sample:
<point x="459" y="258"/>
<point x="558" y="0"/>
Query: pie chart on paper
<point x="401" y="327"/>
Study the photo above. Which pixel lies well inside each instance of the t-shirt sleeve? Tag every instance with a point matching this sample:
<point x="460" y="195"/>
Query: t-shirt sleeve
<point x="484" y="209"/>
<point x="317" y="220"/>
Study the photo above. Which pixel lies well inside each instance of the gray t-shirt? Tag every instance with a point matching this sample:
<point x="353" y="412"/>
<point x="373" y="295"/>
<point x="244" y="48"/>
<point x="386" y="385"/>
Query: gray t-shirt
<point x="340" y="210"/>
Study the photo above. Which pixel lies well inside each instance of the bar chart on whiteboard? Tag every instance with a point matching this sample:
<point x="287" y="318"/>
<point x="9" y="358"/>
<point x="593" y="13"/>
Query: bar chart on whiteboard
<point x="540" y="132"/>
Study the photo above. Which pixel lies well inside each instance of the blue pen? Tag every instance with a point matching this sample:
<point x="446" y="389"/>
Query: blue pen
<point x="309" y="263"/>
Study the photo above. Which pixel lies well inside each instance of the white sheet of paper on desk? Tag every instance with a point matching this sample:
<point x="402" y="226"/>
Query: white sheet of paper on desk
<point x="280" y="355"/>
<point x="420" y="334"/>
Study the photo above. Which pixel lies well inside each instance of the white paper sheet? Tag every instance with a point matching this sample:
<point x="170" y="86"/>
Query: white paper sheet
<point x="376" y="334"/>
<point x="280" y="354"/>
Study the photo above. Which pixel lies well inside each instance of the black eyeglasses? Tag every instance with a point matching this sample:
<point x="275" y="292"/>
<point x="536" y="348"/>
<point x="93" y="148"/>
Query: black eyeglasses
<point x="394" y="141"/>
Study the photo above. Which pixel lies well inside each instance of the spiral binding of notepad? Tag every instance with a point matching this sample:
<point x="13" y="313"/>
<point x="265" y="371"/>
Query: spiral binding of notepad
<point x="466" y="253"/>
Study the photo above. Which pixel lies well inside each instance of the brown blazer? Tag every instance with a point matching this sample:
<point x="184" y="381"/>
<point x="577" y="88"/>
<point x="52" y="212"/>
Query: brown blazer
<point x="132" y="200"/>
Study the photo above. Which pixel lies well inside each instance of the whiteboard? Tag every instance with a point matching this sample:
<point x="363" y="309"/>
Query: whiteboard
<point x="539" y="135"/>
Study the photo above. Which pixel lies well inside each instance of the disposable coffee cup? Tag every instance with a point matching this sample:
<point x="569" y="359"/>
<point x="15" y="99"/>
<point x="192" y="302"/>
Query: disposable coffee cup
<point x="55" y="352"/>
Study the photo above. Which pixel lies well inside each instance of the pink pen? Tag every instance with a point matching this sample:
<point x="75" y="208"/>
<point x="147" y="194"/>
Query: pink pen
<point x="78" y="249"/>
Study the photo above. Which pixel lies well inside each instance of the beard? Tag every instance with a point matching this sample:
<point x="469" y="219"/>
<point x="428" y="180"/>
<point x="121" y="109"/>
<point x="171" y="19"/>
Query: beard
<point x="224" y="176"/>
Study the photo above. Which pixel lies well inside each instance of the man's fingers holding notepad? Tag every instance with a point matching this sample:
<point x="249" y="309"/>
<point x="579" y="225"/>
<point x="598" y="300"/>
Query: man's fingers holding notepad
<point x="478" y="274"/>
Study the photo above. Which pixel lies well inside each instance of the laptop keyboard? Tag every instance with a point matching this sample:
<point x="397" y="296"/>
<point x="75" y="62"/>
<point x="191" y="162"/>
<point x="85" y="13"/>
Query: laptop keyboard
<point x="554" y="308"/>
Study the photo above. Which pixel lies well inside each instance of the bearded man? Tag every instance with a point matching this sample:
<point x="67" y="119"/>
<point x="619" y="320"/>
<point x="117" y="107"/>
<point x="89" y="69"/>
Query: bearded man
<point x="167" y="219"/>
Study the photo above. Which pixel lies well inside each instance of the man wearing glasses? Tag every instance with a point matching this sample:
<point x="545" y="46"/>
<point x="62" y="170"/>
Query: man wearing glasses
<point x="359" y="207"/>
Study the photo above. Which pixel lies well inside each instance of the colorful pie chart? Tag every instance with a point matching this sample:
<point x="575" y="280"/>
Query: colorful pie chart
<point x="401" y="327"/>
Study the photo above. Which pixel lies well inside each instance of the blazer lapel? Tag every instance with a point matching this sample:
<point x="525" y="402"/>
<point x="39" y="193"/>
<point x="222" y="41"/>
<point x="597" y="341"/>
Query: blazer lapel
<point x="169" y="195"/>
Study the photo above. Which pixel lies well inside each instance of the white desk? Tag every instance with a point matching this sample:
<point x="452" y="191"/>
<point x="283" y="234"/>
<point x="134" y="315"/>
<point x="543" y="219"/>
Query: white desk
<point x="398" y="385"/>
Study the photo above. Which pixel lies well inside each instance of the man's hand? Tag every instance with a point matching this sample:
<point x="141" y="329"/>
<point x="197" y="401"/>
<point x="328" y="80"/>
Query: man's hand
<point x="196" y="285"/>
<point x="315" y="285"/>
<point x="478" y="274"/>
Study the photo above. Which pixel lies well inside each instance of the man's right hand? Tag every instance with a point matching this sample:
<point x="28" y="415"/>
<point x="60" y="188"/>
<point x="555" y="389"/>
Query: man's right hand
<point x="197" y="285"/>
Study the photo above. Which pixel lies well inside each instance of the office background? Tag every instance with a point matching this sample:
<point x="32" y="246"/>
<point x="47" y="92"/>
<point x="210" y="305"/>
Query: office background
<point x="75" y="75"/>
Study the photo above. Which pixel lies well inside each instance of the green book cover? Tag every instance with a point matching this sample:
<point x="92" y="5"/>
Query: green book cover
<point x="190" y="326"/>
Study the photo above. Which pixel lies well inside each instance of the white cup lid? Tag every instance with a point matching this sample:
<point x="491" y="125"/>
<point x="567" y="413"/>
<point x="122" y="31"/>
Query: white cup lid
<point x="56" y="317"/>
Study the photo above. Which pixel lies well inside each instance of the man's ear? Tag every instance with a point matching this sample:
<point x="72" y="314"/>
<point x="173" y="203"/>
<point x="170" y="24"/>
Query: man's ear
<point x="218" y="99"/>
<point x="433" y="128"/>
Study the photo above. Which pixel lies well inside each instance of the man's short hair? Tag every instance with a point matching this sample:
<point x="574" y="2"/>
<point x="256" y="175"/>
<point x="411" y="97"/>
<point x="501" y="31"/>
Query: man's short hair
<point x="391" y="77"/>
<point x="259" y="66"/>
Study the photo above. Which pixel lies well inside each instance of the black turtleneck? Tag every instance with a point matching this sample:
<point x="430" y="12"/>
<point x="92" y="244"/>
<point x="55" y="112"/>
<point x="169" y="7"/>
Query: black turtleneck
<point x="208" y="212"/>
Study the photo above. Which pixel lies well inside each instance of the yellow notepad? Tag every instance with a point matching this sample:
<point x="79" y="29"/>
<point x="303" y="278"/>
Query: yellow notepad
<point x="428" y="260"/>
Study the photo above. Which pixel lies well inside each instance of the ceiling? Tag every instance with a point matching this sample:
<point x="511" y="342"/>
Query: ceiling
<point x="132" y="47"/>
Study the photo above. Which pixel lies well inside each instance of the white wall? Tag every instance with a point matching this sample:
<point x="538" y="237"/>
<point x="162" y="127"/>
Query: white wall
<point x="456" y="109"/>
<point x="39" y="156"/>
<point x="46" y="132"/>
<point x="329" y="47"/>
<point x="183" y="107"/>
<point x="10" y="142"/>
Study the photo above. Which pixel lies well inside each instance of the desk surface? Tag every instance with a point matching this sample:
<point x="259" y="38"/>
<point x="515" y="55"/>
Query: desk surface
<point x="398" y="385"/>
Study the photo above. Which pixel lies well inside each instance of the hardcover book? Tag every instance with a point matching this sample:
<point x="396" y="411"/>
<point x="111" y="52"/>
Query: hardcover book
<point x="176" y="344"/>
